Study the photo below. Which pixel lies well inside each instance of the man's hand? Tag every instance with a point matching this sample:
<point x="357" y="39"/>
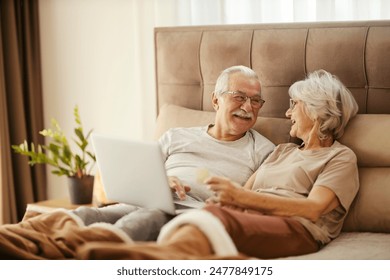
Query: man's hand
<point x="177" y="186"/>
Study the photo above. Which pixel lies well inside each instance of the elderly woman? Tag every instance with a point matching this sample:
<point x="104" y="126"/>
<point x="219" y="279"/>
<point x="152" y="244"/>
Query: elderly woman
<point x="294" y="204"/>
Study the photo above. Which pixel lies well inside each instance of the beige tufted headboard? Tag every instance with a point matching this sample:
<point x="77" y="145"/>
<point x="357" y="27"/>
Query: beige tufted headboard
<point x="189" y="59"/>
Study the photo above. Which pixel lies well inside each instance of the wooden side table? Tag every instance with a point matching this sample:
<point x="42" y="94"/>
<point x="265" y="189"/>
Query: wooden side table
<point x="52" y="204"/>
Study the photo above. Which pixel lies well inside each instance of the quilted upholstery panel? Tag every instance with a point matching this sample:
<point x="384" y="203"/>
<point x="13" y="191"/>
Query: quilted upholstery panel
<point x="189" y="59"/>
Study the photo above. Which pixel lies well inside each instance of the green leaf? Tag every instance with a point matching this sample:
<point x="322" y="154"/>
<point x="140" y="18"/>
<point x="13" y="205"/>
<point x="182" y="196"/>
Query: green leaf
<point x="57" y="153"/>
<point x="77" y="115"/>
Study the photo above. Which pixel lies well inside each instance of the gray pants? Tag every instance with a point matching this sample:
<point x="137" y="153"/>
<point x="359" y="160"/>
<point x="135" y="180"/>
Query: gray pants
<point x="140" y="224"/>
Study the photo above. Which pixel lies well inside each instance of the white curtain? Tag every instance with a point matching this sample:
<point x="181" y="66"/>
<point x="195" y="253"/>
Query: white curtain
<point x="200" y="12"/>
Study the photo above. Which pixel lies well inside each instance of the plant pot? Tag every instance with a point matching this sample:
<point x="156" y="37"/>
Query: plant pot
<point x="81" y="189"/>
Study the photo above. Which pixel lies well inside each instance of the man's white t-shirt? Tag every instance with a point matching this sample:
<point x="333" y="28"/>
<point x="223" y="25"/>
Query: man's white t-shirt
<point x="186" y="150"/>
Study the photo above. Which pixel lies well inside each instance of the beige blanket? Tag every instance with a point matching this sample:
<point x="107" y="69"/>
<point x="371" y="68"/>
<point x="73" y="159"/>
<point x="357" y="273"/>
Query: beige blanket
<point x="55" y="235"/>
<point x="62" y="235"/>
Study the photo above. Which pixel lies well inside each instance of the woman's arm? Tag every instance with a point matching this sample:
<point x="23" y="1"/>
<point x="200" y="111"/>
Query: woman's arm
<point x="321" y="200"/>
<point x="249" y="184"/>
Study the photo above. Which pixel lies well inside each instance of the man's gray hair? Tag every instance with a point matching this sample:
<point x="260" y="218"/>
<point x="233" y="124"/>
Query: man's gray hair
<point x="222" y="83"/>
<point x="327" y="99"/>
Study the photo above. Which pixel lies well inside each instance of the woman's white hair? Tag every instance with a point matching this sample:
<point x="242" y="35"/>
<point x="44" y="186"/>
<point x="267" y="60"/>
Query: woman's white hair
<point x="222" y="83"/>
<point x="327" y="100"/>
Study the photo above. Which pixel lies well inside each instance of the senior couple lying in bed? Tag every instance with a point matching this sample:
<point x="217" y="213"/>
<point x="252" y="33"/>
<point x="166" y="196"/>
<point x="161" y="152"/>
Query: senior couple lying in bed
<point x="262" y="201"/>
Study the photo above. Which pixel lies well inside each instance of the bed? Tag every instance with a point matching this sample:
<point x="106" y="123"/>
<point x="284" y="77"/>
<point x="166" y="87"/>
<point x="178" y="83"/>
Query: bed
<point x="189" y="59"/>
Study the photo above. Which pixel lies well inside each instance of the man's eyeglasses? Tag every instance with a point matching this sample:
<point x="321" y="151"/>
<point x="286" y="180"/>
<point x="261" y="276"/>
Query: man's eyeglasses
<point x="292" y="104"/>
<point x="240" y="97"/>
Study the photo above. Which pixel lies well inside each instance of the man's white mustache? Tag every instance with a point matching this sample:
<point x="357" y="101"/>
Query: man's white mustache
<point x="243" y="114"/>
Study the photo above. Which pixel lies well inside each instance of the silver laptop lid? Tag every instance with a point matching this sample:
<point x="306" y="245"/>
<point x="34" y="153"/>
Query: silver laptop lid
<point x="133" y="172"/>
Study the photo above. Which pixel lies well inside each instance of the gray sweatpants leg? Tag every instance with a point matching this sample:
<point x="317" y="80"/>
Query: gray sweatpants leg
<point x="108" y="214"/>
<point x="143" y="224"/>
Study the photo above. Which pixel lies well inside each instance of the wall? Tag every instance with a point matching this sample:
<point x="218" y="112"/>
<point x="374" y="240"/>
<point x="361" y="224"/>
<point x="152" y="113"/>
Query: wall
<point x="88" y="59"/>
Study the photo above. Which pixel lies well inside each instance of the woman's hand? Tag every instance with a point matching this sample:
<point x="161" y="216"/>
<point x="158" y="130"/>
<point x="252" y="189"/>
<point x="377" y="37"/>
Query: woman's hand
<point x="225" y="191"/>
<point x="177" y="186"/>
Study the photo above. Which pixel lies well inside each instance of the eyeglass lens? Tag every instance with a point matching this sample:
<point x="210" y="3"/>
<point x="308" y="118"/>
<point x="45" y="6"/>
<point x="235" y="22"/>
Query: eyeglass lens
<point x="292" y="103"/>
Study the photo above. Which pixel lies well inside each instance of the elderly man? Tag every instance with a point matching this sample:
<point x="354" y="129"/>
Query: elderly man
<point x="227" y="148"/>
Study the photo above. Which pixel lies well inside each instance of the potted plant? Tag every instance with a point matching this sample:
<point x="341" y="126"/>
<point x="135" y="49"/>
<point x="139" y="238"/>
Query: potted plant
<point x="58" y="153"/>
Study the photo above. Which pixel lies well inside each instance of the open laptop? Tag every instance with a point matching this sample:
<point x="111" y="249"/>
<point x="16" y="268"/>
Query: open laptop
<point x="133" y="172"/>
